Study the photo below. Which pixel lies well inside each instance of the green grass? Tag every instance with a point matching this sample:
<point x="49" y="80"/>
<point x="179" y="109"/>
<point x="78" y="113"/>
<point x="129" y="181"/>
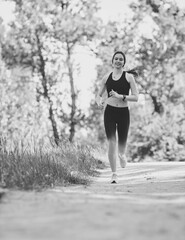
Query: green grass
<point x="38" y="165"/>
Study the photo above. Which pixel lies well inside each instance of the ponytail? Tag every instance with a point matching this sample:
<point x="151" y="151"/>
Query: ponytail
<point x="133" y="72"/>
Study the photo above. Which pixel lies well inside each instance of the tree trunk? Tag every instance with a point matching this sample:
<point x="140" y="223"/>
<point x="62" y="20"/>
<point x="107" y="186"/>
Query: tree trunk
<point x="73" y="95"/>
<point x="158" y="107"/>
<point x="45" y="91"/>
<point x="53" y="122"/>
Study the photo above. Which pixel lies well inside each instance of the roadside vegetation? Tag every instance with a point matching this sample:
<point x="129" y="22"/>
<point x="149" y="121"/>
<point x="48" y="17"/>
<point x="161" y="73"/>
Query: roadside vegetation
<point x="34" y="165"/>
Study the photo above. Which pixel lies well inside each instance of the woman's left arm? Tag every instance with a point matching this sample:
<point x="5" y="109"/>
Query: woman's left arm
<point x="133" y="97"/>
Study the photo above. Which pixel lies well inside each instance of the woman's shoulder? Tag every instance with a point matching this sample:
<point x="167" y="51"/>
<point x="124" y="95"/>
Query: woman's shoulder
<point x="106" y="76"/>
<point x="128" y="76"/>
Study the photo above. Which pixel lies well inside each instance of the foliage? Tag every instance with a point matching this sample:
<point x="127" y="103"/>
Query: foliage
<point x="161" y="78"/>
<point x="157" y="138"/>
<point x="164" y="50"/>
<point x="43" y="38"/>
<point x="156" y="130"/>
<point x="37" y="165"/>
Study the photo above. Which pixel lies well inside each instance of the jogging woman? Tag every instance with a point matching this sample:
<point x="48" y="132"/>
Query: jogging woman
<point x="118" y="84"/>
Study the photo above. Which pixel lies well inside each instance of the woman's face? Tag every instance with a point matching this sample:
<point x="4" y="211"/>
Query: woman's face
<point x="118" y="61"/>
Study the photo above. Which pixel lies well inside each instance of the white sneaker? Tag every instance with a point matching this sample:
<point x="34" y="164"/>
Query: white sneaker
<point x="114" y="178"/>
<point x="123" y="160"/>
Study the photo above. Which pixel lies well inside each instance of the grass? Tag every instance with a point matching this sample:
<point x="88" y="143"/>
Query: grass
<point x="38" y="165"/>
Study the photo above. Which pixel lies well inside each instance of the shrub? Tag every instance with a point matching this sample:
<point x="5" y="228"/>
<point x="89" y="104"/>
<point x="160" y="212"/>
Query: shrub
<point x="33" y="165"/>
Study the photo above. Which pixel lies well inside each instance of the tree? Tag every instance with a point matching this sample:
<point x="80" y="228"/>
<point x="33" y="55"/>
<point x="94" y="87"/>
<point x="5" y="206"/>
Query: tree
<point x="159" y="59"/>
<point x="43" y="38"/>
<point x="160" y="56"/>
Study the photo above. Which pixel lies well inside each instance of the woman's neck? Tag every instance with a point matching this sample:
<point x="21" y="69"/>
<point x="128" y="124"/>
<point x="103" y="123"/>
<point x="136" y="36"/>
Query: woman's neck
<point x="117" y="71"/>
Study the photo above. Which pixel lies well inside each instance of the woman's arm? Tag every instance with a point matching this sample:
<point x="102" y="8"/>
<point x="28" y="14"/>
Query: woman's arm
<point x="134" y="92"/>
<point x="103" y="86"/>
<point x="101" y="90"/>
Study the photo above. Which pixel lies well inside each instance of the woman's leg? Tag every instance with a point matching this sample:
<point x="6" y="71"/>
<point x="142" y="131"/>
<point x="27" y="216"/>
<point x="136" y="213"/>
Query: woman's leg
<point x="110" y="130"/>
<point x="112" y="154"/>
<point x="123" y="128"/>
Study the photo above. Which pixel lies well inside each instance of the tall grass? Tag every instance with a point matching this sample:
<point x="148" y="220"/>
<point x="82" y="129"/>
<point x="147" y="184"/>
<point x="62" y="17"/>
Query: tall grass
<point x="37" y="165"/>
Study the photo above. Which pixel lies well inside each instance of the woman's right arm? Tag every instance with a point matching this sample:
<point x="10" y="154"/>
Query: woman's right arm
<point x="101" y="91"/>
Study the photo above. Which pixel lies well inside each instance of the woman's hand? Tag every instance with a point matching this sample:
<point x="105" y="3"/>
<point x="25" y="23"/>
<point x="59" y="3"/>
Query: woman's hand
<point x="112" y="93"/>
<point x="100" y="102"/>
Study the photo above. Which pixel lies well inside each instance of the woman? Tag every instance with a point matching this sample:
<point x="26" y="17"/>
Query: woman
<point x="116" y="114"/>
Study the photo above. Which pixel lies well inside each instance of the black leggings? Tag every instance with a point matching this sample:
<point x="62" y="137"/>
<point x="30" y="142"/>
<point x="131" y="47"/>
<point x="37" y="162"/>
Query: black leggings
<point x="117" y="119"/>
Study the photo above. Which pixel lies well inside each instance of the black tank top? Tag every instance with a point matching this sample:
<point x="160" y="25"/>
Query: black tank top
<point x="121" y="86"/>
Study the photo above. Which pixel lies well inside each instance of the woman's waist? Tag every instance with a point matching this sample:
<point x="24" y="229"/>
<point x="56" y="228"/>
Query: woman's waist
<point x="115" y="102"/>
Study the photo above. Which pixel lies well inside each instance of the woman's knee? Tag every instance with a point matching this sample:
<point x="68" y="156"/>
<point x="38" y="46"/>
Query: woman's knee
<point x="122" y="144"/>
<point x="112" y="140"/>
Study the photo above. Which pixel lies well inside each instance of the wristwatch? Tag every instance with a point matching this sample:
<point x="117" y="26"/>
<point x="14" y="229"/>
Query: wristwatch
<point x="124" y="97"/>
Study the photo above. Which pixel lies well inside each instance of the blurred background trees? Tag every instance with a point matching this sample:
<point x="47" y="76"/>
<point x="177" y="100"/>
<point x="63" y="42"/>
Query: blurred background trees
<point x="38" y="72"/>
<point x="43" y="39"/>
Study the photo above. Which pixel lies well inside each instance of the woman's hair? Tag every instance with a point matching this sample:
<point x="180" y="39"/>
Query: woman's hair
<point x="131" y="71"/>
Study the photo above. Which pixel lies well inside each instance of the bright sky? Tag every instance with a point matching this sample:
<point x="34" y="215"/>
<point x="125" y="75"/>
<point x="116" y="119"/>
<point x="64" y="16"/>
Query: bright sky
<point x="6" y="9"/>
<point x="114" y="9"/>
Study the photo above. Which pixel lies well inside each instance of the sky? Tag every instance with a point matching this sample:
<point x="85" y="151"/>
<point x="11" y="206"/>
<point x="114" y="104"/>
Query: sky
<point x="110" y="9"/>
<point x="6" y="11"/>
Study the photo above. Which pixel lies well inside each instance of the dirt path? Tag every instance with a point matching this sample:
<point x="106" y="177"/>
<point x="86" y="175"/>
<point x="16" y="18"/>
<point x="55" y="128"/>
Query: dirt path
<point x="147" y="203"/>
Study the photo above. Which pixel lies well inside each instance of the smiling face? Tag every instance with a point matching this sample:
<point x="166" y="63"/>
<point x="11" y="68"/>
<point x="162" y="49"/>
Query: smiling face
<point x="118" y="60"/>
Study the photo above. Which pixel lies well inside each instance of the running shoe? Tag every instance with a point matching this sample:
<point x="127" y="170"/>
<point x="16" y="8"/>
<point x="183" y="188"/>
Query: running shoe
<point x="123" y="160"/>
<point x="114" y="178"/>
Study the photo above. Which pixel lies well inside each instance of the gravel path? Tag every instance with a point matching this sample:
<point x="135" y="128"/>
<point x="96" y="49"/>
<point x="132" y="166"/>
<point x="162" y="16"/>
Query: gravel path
<point x="147" y="203"/>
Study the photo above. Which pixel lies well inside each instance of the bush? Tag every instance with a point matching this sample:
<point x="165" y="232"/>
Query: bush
<point x="161" y="138"/>
<point x="32" y="165"/>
